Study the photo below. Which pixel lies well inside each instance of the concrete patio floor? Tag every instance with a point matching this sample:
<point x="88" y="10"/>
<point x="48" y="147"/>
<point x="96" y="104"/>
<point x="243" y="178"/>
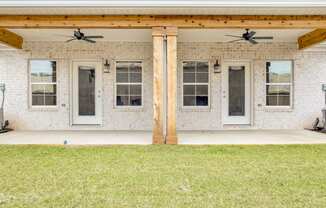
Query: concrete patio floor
<point x="143" y="138"/>
<point x="253" y="137"/>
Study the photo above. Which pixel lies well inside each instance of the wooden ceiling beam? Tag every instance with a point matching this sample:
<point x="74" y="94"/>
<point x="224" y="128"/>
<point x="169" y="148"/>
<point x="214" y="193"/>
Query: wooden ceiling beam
<point x="11" y="39"/>
<point x="312" y="38"/>
<point x="149" y="21"/>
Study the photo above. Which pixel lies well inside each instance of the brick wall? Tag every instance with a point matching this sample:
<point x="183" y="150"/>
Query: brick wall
<point x="309" y="74"/>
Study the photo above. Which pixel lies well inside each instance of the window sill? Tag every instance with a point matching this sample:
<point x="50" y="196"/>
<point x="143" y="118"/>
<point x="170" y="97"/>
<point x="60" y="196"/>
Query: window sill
<point x="129" y="109"/>
<point x="195" y="109"/>
<point x="44" y="109"/>
<point x="277" y="109"/>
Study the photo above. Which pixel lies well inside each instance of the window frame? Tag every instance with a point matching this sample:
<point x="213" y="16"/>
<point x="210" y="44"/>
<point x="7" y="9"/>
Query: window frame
<point x="30" y="83"/>
<point x="291" y="84"/>
<point x="125" y="83"/>
<point x="208" y="85"/>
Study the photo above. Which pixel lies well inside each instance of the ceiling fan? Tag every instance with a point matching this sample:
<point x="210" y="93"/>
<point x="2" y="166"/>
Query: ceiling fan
<point x="78" y="35"/>
<point x="249" y="36"/>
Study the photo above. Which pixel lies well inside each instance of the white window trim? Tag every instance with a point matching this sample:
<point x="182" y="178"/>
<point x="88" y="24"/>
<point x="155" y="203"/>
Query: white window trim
<point x="208" y="85"/>
<point x="42" y="107"/>
<point x="281" y="107"/>
<point x="128" y="107"/>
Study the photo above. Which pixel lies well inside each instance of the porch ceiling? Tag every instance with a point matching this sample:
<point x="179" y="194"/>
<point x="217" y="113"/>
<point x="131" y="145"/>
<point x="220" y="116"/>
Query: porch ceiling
<point x="144" y="35"/>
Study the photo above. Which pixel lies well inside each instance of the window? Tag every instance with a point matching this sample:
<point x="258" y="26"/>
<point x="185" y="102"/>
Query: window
<point x="278" y="83"/>
<point x="43" y="81"/>
<point x="128" y="83"/>
<point x="195" y="83"/>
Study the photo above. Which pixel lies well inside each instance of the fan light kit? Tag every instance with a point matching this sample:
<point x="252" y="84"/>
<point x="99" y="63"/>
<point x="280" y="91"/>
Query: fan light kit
<point x="106" y="66"/>
<point x="249" y="36"/>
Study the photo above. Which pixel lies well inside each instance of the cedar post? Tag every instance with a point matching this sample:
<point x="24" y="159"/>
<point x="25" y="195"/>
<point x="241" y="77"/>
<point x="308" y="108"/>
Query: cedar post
<point x="171" y="137"/>
<point x="158" y="35"/>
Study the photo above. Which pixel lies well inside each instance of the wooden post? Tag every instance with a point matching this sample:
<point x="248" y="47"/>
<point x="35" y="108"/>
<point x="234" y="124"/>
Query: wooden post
<point x="312" y="38"/>
<point x="11" y="39"/>
<point x="171" y="137"/>
<point x="158" y="105"/>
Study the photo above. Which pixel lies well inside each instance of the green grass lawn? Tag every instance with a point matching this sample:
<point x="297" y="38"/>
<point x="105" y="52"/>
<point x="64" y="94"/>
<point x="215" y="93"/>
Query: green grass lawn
<point x="163" y="176"/>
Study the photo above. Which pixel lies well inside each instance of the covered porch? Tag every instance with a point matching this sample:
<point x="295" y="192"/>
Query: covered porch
<point x="164" y="34"/>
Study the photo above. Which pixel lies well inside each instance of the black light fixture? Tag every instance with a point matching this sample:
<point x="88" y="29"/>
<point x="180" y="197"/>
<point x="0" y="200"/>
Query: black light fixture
<point x="106" y="66"/>
<point x="217" y="67"/>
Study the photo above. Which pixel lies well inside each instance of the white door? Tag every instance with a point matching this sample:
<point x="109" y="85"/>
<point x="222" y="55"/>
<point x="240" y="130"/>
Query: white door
<point x="236" y="92"/>
<point x="87" y="92"/>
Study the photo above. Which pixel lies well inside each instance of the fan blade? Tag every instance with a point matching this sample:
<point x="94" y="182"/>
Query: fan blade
<point x="89" y="40"/>
<point x="232" y="41"/>
<point x="61" y="35"/>
<point x="94" y="36"/>
<point x="252" y="41"/>
<point x="252" y="33"/>
<point x="261" y="38"/>
<point x="70" y="40"/>
<point x="234" y="36"/>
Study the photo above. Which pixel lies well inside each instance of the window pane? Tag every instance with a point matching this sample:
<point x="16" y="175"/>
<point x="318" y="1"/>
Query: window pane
<point x="202" y="77"/>
<point x="122" y="77"/>
<point x="135" y="67"/>
<point x="122" y="89"/>
<point x="50" y="100"/>
<point x="278" y="90"/>
<point x="284" y="90"/>
<point x="50" y="89"/>
<point x="271" y="100"/>
<point x="189" y="100"/>
<point x="135" y="77"/>
<point x="202" y="67"/>
<point x="236" y="91"/>
<point x="37" y="100"/>
<point x="188" y="77"/>
<point x="284" y="100"/>
<point x="189" y="66"/>
<point x="86" y="91"/>
<point x="135" y="89"/>
<point x="202" y="100"/>
<point x="189" y="89"/>
<point x="271" y="90"/>
<point x="278" y="95"/>
<point x="122" y="67"/>
<point x="44" y="94"/>
<point x="201" y="90"/>
<point x="43" y="71"/>
<point x="37" y="89"/>
<point x="122" y="100"/>
<point x="135" y="100"/>
<point x="278" y="71"/>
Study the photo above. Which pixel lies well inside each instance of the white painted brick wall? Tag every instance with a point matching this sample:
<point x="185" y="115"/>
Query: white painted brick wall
<point x="309" y="74"/>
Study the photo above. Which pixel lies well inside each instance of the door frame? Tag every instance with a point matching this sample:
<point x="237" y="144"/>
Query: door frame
<point x="98" y="119"/>
<point x="249" y="99"/>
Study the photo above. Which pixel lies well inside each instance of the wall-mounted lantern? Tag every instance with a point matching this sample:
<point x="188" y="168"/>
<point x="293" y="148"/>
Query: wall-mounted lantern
<point x="106" y="66"/>
<point x="217" y="67"/>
